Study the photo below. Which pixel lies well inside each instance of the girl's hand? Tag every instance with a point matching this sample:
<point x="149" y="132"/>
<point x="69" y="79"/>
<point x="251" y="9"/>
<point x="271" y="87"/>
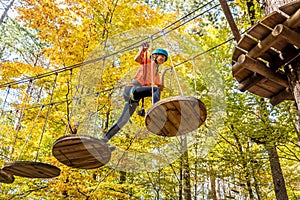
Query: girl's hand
<point x="145" y="46"/>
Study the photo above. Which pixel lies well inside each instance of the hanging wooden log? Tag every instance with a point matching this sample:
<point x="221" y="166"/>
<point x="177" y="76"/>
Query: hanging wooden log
<point x="81" y="151"/>
<point x="6" y="177"/>
<point x="30" y="169"/>
<point x="175" y="116"/>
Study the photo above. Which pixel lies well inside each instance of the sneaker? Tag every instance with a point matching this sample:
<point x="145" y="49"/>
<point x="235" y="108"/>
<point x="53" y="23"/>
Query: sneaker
<point x="141" y="112"/>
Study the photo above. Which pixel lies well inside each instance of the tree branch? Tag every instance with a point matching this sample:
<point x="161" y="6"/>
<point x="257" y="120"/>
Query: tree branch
<point x="6" y="11"/>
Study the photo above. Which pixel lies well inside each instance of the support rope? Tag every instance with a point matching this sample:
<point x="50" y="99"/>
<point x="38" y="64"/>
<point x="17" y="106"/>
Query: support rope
<point x="47" y="116"/>
<point x="176" y="76"/>
<point x="30" y="132"/>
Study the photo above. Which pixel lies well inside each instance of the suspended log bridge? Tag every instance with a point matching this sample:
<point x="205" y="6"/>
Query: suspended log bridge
<point x="262" y="53"/>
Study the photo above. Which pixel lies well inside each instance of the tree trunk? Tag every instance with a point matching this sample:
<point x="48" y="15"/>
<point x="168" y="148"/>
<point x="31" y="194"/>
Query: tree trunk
<point x="272" y="5"/>
<point x="181" y="180"/>
<point x="187" y="177"/>
<point x="293" y="69"/>
<point x="293" y="73"/>
<point x="278" y="180"/>
<point x="122" y="177"/>
<point x="185" y="172"/>
<point x="212" y="177"/>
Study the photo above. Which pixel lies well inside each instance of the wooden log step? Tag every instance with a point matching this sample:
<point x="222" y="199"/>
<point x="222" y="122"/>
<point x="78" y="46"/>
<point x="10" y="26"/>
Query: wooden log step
<point x="30" y="169"/>
<point x="81" y="151"/>
<point x="6" y="177"/>
<point x="175" y="116"/>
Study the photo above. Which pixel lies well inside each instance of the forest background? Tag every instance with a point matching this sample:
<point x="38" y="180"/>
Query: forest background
<point x="51" y="49"/>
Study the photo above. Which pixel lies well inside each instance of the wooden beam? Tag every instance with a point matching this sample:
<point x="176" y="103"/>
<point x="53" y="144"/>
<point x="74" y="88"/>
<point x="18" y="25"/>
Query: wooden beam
<point x="294" y="20"/>
<point x="238" y="66"/>
<point x="281" y="96"/>
<point x="248" y="82"/>
<point x="230" y="20"/>
<point x="288" y="53"/>
<point x="263" y="46"/>
<point x="287" y="33"/>
<point x="251" y="64"/>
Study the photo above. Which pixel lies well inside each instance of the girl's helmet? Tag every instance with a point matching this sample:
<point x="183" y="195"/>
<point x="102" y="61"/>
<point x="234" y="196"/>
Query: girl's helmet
<point x="160" y="51"/>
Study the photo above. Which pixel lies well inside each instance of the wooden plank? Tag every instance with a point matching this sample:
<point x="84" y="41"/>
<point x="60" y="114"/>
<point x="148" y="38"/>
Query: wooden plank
<point x="173" y="114"/>
<point x="247" y="43"/>
<point x="270" y="85"/>
<point x="242" y="75"/>
<point x="260" y="91"/>
<point x="187" y="119"/>
<point x="193" y="113"/>
<point x="101" y="155"/>
<point x="290" y="8"/>
<point x="285" y="94"/>
<point x="280" y="45"/>
<point x="156" y="121"/>
<point x="288" y="53"/>
<point x="269" y="55"/>
<point x="273" y="19"/>
<point x="259" y="31"/>
<point x="263" y="46"/>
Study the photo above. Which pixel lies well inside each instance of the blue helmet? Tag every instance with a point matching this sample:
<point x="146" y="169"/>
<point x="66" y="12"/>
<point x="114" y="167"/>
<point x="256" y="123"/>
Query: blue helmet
<point x="160" y="51"/>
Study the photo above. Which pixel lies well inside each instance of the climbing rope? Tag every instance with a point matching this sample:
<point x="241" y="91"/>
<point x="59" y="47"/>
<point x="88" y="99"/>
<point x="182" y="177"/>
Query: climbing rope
<point x="172" y="64"/>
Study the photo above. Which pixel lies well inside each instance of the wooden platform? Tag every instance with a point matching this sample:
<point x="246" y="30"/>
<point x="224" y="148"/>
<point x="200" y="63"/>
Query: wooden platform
<point x="262" y="52"/>
<point x="31" y="169"/>
<point x="6" y="177"/>
<point x="81" y="151"/>
<point x="175" y="116"/>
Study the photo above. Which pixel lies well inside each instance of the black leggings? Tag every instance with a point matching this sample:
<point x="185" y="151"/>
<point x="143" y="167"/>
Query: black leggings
<point x="139" y="92"/>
